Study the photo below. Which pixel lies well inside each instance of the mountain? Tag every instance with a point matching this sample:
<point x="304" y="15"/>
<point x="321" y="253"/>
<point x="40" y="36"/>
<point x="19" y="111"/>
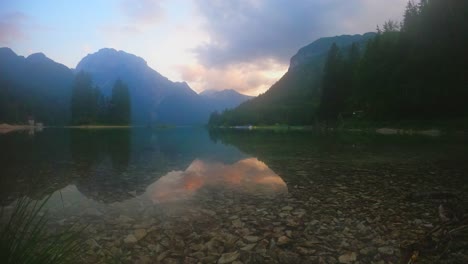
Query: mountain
<point x="154" y="98"/>
<point x="195" y="109"/>
<point x="148" y="88"/>
<point x="39" y="87"/>
<point x="320" y="47"/>
<point x="225" y="99"/>
<point x="292" y="99"/>
<point x="34" y="86"/>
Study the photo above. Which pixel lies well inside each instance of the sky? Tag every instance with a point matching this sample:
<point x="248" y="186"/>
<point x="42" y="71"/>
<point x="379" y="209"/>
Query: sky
<point x="211" y="44"/>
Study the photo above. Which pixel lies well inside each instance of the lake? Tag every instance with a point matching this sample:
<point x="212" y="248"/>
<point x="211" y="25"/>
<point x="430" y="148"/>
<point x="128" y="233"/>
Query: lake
<point x="189" y="195"/>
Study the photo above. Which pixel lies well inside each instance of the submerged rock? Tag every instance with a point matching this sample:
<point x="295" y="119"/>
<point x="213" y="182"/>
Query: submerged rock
<point x="228" y="257"/>
<point x="348" y="257"/>
<point x="130" y="239"/>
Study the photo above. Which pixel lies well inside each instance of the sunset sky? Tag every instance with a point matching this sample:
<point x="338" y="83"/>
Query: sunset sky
<point x="211" y="44"/>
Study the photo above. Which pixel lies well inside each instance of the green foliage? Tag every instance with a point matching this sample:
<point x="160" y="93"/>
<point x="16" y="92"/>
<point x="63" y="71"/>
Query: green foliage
<point x="84" y="100"/>
<point x="24" y="239"/>
<point x="294" y="98"/>
<point x="418" y="72"/>
<point x="90" y="106"/>
<point x="120" y="104"/>
<point x="415" y="70"/>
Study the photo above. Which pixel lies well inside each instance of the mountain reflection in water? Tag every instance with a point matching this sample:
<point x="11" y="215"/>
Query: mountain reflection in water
<point x="247" y="176"/>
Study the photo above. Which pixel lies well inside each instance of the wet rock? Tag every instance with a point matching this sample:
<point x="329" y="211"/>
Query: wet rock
<point x="92" y="212"/>
<point x="130" y="239"/>
<point x="248" y="247"/>
<point x="237" y="223"/>
<point x="305" y="251"/>
<point x="288" y="257"/>
<point x="198" y="255"/>
<point x="170" y="261"/>
<point x="228" y="257"/>
<point x="143" y="260"/>
<point x="92" y="243"/>
<point x="252" y="239"/>
<point x="140" y="233"/>
<point x="162" y="256"/>
<point x="209" y="259"/>
<point x="124" y="219"/>
<point x="387" y="250"/>
<point x="189" y="260"/>
<point x="283" y="240"/>
<point x="368" y="251"/>
<point x="348" y="257"/>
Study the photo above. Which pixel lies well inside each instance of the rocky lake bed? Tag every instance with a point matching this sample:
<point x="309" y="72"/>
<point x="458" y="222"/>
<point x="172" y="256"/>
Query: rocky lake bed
<point x="296" y="204"/>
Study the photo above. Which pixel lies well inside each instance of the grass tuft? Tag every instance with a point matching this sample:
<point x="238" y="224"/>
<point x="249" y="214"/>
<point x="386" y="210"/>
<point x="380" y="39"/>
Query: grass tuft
<point x="24" y="238"/>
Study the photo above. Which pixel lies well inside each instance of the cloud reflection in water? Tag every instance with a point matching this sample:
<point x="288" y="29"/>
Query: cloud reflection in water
<point x="248" y="176"/>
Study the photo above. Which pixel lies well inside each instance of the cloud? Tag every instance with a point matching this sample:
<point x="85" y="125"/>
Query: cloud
<point x="12" y="27"/>
<point x="250" y="42"/>
<point x="143" y="11"/>
<point x="246" y="78"/>
<point x="247" y="30"/>
<point x="248" y="176"/>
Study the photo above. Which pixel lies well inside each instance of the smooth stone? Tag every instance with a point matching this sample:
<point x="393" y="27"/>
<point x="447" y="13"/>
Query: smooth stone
<point x="140" y="233"/>
<point x="347" y="258"/>
<point x="252" y="239"/>
<point x="130" y="239"/>
<point x="237" y="223"/>
<point x="124" y="219"/>
<point x="368" y="251"/>
<point x="228" y="257"/>
<point x="198" y="255"/>
<point x="92" y="243"/>
<point x="248" y="247"/>
<point x="387" y="250"/>
<point x="305" y="251"/>
<point x="283" y="240"/>
<point x="93" y="212"/>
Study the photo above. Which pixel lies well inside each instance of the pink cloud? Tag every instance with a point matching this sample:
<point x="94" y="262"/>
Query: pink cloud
<point x="143" y="11"/>
<point x="247" y="78"/>
<point x="12" y="27"/>
<point x="249" y="176"/>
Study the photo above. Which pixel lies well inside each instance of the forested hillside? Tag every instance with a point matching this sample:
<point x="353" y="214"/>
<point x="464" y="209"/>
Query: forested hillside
<point x="292" y="99"/>
<point x="33" y="87"/>
<point x="416" y="69"/>
<point x="413" y="70"/>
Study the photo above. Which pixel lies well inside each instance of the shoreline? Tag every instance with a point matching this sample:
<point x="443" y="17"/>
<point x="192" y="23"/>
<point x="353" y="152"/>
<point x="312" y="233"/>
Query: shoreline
<point x="7" y="128"/>
<point x="432" y="132"/>
<point x="98" y="126"/>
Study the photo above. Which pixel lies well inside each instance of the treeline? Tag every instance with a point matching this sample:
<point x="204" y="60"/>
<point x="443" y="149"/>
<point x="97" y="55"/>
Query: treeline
<point x="90" y="106"/>
<point x="413" y="70"/>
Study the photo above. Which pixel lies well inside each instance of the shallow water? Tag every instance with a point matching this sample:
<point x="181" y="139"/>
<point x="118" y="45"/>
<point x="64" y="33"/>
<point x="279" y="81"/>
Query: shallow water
<point x="189" y="195"/>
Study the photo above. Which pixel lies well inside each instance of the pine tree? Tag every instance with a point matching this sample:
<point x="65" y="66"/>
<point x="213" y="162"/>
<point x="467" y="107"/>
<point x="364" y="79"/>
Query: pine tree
<point x="332" y="98"/>
<point x="120" y="104"/>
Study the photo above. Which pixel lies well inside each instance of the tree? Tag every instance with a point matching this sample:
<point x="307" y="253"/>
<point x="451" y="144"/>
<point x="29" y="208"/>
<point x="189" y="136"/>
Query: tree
<point x="119" y="111"/>
<point x="84" y="100"/>
<point x="332" y="97"/>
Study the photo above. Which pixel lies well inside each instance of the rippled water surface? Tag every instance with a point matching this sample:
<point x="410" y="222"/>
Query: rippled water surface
<point x="189" y="195"/>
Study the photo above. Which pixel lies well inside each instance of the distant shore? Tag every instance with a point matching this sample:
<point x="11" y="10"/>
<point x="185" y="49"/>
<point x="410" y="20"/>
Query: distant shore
<point x="433" y="132"/>
<point x="99" y="126"/>
<point x="7" y="128"/>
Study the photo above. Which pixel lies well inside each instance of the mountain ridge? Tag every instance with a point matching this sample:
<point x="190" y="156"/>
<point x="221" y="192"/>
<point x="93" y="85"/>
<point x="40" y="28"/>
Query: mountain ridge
<point x="291" y="98"/>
